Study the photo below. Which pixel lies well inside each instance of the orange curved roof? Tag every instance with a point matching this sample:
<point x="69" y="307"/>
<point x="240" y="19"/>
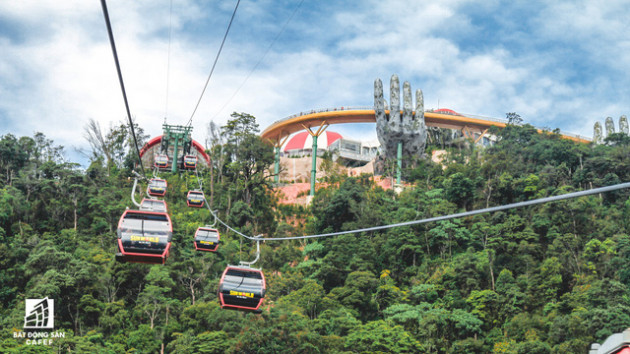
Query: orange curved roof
<point x="285" y="127"/>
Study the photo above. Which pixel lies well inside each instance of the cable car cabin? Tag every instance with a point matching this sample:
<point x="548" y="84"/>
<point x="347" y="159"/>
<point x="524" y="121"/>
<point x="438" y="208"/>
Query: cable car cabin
<point x="161" y="161"/>
<point x="157" y="187"/>
<point x="190" y="162"/>
<point x="242" y="288"/>
<point x="207" y="239"/>
<point x="144" y="237"/>
<point x="195" y="199"/>
<point x="153" y="205"/>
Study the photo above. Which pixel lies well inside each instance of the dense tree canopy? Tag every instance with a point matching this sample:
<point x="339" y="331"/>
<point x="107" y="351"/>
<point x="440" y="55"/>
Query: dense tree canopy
<point x="549" y="278"/>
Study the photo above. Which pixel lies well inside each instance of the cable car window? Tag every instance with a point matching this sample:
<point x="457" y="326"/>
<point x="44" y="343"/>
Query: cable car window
<point x="206" y="234"/>
<point x="156" y="228"/>
<point x="146" y="216"/>
<point x="153" y="205"/>
<point x="243" y="274"/>
<point x="130" y="225"/>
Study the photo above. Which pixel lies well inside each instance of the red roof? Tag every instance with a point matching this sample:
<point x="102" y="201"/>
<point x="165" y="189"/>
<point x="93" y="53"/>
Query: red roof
<point x="303" y="140"/>
<point x="447" y="111"/>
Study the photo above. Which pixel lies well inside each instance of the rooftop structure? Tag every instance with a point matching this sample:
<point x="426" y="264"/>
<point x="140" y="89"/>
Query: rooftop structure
<point x="301" y="144"/>
<point x="469" y="124"/>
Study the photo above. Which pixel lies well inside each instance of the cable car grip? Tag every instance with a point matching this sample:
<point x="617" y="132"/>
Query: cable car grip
<point x="249" y="264"/>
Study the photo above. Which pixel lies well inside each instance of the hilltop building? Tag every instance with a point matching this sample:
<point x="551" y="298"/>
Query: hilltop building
<point x="348" y="152"/>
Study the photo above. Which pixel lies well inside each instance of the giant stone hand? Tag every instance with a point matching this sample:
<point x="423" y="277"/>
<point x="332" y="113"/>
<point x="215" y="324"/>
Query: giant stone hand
<point x="393" y="128"/>
<point x="623" y="125"/>
<point x="610" y="126"/>
<point x="598" y="137"/>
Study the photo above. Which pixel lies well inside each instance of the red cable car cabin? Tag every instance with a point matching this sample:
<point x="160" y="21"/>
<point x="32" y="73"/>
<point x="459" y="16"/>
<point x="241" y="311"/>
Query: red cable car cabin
<point x="144" y="237"/>
<point x="161" y="161"/>
<point x="195" y="199"/>
<point x="190" y="162"/>
<point x="157" y="187"/>
<point x="242" y="288"/>
<point x="207" y="239"/>
<point x="153" y="205"/>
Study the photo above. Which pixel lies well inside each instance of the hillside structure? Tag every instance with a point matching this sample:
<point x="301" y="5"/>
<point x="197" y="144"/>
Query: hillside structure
<point x="402" y="131"/>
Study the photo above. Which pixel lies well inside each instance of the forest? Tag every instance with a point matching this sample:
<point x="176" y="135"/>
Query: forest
<point x="551" y="278"/>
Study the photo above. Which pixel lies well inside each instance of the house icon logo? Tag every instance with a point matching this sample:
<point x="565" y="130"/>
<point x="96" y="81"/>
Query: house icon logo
<point x="39" y="313"/>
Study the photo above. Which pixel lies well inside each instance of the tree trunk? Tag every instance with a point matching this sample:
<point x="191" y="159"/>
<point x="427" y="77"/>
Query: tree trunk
<point x="491" y="272"/>
<point x="229" y="206"/>
<point x="75" y="202"/>
<point x="489" y="194"/>
<point x="152" y="316"/>
<point x="75" y="319"/>
<point x="490" y="260"/>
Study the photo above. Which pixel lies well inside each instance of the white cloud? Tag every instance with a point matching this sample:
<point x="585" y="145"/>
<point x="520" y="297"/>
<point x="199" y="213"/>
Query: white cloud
<point x="57" y="71"/>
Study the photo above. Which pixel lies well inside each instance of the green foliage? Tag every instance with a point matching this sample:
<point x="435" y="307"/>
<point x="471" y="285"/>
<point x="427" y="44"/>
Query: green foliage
<point x="339" y="211"/>
<point x="212" y="342"/>
<point x="358" y="293"/>
<point x="546" y="278"/>
<point x="459" y="189"/>
<point x="338" y="321"/>
<point x="378" y="336"/>
<point x="533" y="347"/>
<point x="309" y="299"/>
<point x="143" y="340"/>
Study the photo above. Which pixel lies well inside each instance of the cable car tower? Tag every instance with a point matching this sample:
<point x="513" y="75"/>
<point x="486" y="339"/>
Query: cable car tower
<point x="176" y="136"/>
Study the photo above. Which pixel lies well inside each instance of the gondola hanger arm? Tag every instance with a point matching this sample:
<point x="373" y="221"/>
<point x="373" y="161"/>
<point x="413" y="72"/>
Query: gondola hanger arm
<point x="249" y="264"/>
<point x="133" y="192"/>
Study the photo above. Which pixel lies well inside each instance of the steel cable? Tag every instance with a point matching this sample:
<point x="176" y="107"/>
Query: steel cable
<point x="214" y="64"/>
<point x="120" y="79"/>
<point x="438" y="218"/>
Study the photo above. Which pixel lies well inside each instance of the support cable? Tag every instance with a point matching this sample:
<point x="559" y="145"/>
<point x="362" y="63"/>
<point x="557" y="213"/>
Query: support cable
<point x="214" y="64"/>
<point x="259" y="60"/>
<point x="120" y="79"/>
<point x="440" y="218"/>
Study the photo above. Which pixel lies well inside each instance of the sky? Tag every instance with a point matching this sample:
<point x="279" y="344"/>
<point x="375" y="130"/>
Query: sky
<point x="559" y="64"/>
